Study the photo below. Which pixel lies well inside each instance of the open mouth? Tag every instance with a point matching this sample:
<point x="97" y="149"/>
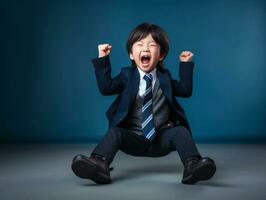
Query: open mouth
<point x="145" y="59"/>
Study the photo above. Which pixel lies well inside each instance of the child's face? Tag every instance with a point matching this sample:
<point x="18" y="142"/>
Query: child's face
<point x="146" y="53"/>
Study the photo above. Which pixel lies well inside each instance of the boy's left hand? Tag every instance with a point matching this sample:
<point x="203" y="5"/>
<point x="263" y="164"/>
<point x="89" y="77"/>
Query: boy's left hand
<point x="186" y="56"/>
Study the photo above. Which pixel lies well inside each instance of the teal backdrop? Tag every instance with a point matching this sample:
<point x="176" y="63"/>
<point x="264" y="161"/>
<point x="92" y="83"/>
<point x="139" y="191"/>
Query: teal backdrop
<point x="48" y="87"/>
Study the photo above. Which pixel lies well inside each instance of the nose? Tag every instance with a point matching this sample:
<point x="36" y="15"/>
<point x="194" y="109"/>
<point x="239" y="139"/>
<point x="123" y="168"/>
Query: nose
<point x="145" y="48"/>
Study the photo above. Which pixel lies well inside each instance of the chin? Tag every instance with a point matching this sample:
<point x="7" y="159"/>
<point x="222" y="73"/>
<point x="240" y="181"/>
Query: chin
<point x="147" y="69"/>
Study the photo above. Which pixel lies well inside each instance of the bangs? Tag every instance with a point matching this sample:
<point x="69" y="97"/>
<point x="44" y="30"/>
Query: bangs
<point x="141" y="35"/>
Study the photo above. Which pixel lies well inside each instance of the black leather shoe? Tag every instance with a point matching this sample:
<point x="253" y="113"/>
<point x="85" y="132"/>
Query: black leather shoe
<point x="198" y="169"/>
<point x="94" y="168"/>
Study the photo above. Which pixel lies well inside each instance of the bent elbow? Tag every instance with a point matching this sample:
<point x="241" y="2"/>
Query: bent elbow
<point x="186" y="93"/>
<point x="105" y="92"/>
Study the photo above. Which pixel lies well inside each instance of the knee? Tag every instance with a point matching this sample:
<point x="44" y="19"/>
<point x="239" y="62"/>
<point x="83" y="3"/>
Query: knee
<point x="113" y="129"/>
<point x="181" y="131"/>
<point x="114" y="132"/>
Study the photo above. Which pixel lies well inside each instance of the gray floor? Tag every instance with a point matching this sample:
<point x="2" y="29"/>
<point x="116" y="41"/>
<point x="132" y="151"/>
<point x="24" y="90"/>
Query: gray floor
<point x="42" y="171"/>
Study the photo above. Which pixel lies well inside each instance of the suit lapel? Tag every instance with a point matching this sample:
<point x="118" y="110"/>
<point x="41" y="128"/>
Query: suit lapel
<point x="133" y="86"/>
<point x="165" y="85"/>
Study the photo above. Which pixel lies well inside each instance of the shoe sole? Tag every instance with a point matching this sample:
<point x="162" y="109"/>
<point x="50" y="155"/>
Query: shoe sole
<point x="203" y="172"/>
<point x="88" y="170"/>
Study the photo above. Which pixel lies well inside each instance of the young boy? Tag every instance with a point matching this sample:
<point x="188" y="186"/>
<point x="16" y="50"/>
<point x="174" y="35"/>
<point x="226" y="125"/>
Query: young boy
<point x="145" y="119"/>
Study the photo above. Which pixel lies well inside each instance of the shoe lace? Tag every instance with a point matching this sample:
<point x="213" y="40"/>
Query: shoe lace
<point x="102" y="158"/>
<point x="192" y="160"/>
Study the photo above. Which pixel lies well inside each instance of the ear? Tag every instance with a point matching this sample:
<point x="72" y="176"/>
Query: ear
<point x="131" y="56"/>
<point x="161" y="58"/>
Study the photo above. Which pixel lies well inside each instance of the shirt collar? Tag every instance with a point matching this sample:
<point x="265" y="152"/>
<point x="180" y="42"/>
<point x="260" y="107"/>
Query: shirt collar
<point x="153" y="73"/>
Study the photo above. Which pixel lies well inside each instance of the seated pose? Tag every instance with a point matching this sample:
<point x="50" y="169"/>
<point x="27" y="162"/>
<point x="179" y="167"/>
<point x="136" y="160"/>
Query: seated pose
<point x="145" y="119"/>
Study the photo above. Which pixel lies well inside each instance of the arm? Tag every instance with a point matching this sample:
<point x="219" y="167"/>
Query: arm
<point x="183" y="87"/>
<point x="106" y="84"/>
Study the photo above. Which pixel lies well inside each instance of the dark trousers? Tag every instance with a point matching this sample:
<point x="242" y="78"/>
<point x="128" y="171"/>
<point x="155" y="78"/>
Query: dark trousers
<point x="175" y="138"/>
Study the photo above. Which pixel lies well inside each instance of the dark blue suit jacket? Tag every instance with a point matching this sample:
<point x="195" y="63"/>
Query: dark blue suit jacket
<point x="126" y="85"/>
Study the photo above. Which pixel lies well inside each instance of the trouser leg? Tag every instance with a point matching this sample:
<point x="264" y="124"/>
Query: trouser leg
<point x="184" y="143"/>
<point x="118" y="138"/>
<point x="109" y="144"/>
<point x="176" y="138"/>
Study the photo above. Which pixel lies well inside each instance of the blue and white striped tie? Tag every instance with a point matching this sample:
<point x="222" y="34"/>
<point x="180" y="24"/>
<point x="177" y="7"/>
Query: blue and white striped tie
<point x="147" y="118"/>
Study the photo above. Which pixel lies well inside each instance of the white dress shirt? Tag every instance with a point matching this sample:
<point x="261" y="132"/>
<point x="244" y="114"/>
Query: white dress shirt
<point x="142" y="82"/>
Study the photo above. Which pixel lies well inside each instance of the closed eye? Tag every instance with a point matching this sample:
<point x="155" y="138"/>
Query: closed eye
<point x="153" y="45"/>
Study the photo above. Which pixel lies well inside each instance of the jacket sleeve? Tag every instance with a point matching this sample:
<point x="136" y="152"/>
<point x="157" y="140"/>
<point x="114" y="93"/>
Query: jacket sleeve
<point x="183" y="87"/>
<point x="106" y="84"/>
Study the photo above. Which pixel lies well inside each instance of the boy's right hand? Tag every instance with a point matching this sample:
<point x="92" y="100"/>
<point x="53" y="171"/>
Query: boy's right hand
<point x="104" y="50"/>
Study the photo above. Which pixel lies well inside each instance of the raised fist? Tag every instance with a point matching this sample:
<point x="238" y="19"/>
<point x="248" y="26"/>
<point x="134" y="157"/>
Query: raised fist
<point x="104" y="50"/>
<point x="186" y="56"/>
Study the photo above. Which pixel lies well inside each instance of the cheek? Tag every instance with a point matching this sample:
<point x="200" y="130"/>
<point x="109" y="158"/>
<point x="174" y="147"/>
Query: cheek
<point x="134" y="56"/>
<point x="136" y="53"/>
<point x="156" y="53"/>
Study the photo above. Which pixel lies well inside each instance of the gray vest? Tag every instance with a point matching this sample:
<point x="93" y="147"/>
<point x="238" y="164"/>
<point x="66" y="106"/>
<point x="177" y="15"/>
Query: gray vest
<point x="160" y="110"/>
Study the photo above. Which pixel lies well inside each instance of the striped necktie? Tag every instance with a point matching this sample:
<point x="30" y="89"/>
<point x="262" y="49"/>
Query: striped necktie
<point x="147" y="118"/>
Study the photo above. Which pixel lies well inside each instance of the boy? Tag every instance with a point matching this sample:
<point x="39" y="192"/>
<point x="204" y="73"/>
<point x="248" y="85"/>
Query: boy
<point x="145" y="119"/>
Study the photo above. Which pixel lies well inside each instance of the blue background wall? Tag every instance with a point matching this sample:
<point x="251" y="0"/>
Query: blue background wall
<point x="48" y="87"/>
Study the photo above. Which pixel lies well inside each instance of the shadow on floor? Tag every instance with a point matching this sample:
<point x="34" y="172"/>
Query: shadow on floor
<point x="131" y="173"/>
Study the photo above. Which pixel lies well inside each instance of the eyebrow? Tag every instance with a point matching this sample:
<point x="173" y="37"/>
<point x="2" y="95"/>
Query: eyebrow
<point x="149" y="42"/>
